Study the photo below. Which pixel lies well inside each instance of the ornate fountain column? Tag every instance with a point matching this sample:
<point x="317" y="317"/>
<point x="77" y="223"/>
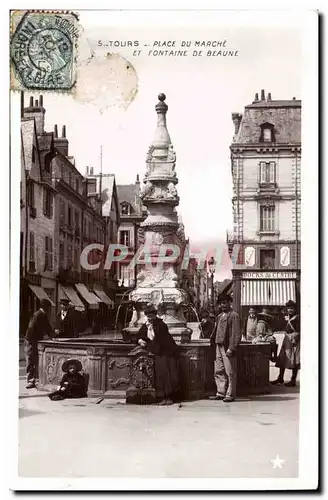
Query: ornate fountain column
<point x="157" y="282"/>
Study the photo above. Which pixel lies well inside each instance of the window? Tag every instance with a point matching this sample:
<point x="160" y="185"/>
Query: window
<point x="61" y="214"/>
<point x="77" y="185"/>
<point x="47" y="162"/>
<point x="267" y="133"/>
<point x="69" y="256"/>
<point x="267" y="172"/>
<point x="69" y="217"/>
<point x="126" y="209"/>
<point x="267" y="259"/>
<point x="267" y="218"/>
<point x="61" y="254"/>
<point x="125" y="238"/>
<point x="30" y="194"/>
<point x="70" y="178"/>
<point x="48" y="254"/>
<point x="33" y="154"/>
<point x="32" y="253"/>
<point x="77" y="223"/>
<point x="126" y="275"/>
<point x="47" y="202"/>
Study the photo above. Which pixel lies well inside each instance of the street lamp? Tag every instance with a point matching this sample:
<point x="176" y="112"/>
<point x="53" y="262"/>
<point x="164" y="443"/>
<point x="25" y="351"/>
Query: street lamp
<point x="211" y="267"/>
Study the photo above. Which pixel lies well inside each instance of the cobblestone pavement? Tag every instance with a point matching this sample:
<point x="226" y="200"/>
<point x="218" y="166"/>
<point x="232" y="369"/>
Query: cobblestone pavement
<point x="79" y="438"/>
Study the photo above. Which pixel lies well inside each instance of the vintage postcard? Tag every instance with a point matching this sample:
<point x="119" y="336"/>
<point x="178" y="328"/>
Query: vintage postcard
<point x="163" y="178"/>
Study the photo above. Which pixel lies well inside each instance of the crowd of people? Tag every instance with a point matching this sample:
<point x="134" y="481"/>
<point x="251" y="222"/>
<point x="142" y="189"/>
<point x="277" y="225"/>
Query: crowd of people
<point x="224" y="331"/>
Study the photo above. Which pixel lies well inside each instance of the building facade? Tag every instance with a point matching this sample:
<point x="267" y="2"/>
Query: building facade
<point x="266" y="171"/>
<point x="62" y="213"/>
<point x="38" y="202"/>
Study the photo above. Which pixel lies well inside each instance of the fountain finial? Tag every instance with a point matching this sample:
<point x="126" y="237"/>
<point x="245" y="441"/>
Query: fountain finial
<point x="161" y="137"/>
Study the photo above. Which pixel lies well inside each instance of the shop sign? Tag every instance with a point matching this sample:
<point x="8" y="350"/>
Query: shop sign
<point x="269" y="275"/>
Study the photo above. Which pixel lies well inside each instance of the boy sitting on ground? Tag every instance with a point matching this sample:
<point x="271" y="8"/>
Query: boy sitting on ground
<point x="72" y="385"/>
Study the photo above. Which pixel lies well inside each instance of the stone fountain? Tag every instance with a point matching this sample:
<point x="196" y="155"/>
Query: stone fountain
<point x="157" y="282"/>
<point x="119" y="369"/>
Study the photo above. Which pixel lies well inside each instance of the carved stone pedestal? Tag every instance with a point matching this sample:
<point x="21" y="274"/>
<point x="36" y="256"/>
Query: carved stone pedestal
<point x="142" y="388"/>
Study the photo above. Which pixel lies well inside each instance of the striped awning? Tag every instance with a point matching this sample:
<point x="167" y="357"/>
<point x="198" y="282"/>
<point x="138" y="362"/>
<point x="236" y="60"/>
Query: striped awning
<point x="90" y="297"/>
<point x="40" y="293"/>
<point x="102" y="295"/>
<point x="73" y="297"/>
<point x="267" y="292"/>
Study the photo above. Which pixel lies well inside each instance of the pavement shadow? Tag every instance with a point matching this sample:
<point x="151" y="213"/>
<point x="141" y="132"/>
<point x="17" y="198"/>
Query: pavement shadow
<point x="271" y="397"/>
<point x="24" y="396"/>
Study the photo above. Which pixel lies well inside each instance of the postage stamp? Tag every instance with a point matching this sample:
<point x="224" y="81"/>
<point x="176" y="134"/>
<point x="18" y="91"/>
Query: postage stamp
<point x="43" y="50"/>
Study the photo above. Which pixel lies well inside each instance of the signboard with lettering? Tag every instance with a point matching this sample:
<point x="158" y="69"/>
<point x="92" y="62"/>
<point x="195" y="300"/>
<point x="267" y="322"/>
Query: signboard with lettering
<point x="269" y="275"/>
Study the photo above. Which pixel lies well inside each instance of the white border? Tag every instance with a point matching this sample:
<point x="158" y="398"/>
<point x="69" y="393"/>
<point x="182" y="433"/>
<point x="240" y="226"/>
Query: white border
<point x="309" y="376"/>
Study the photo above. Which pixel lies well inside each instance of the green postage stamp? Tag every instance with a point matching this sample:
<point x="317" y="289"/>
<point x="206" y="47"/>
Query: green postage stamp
<point x="43" y="50"/>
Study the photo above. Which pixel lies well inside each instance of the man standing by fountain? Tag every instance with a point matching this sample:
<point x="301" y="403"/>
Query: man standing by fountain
<point x="154" y="335"/>
<point x="227" y="336"/>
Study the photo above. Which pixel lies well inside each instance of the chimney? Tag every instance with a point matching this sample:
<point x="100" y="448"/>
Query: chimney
<point x="87" y="171"/>
<point x="138" y="181"/>
<point x="91" y="170"/>
<point x="36" y="111"/>
<point x="262" y="95"/>
<point x="294" y="98"/>
<point x="236" y="119"/>
<point x="61" y="143"/>
<point x="269" y="96"/>
<point x="256" y="97"/>
<point x="55" y="131"/>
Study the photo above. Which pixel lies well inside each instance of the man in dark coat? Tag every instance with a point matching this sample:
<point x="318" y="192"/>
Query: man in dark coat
<point x="290" y="356"/>
<point x="206" y="325"/>
<point x="226" y="336"/>
<point x="66" y="321"/>
<point x="38" y="327"/>
<point x="155" y="336"/>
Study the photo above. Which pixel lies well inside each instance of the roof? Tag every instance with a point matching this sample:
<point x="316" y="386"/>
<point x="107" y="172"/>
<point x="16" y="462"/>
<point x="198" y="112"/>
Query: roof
<point x="285" y="116"/>
<point x="107" y="190"/>
<point x="127" y="193"/>
<point x="27" y="135"/>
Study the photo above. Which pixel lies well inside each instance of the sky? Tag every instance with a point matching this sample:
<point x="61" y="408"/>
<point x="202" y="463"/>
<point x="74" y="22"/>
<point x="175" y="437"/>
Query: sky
<point x="202" y="92"/>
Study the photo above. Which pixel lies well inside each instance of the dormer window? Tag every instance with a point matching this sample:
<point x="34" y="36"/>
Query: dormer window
<point x="267" y="133"/>
<point x="126" y="209"/>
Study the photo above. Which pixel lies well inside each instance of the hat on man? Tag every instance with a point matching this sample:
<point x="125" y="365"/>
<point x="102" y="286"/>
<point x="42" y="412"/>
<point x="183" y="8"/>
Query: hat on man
<point x="150" y="309"/>
<point x="224" y="298"/>
<point x="45" y="304"/>
<point x="70" y="362"/>
<point x="265" y="313"/>
<point x="291" y="303"/>
<point x="64" y="301"/>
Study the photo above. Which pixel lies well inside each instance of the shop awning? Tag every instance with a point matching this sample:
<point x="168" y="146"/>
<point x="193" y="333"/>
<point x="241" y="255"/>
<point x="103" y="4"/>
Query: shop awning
<point x="90" y="297"/>
<point x="102" y="295"/>
<point x="73" y="297"/>
<point x="267" y="292"/>
<point x="40" y="293"/>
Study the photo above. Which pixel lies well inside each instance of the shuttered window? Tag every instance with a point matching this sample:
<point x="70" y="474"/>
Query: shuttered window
<point x="267" y="215"/>
<point x="267" y="172"/>
<point x="48" y="254"/>
<point x="31" y="253"/>
<point x="47" y="202"/>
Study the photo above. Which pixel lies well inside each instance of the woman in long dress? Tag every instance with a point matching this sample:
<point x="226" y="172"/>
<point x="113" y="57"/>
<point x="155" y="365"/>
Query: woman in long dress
<point x="290" y="353"/>
<point x="155" y="336"/>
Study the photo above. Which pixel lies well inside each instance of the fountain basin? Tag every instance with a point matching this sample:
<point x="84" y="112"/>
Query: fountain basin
<point x="111" y="366"/>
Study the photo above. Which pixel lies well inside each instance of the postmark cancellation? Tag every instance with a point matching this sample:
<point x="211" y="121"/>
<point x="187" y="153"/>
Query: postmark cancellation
<point x="43" y="50"/>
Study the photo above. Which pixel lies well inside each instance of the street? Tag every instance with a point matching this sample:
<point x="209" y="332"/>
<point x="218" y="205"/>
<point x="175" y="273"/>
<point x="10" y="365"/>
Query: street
<point x="79" y="438"/>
